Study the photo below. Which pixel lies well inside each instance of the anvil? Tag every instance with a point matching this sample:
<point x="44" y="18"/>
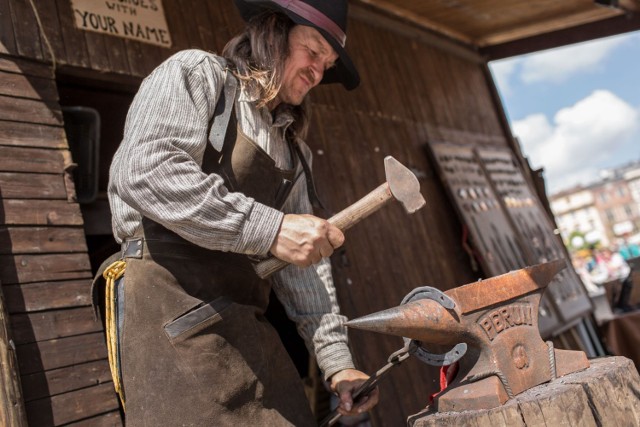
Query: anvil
<point x="493" y="325"/>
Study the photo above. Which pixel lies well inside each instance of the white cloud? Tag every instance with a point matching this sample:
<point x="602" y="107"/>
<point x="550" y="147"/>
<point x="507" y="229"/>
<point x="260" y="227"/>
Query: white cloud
<point x="502" y="72"/>
<point x="558" y="65"/>
<point x="581" y="140"/>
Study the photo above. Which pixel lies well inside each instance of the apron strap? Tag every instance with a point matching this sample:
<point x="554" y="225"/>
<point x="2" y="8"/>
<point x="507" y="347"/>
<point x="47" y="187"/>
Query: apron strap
<point x="222" y="113"/>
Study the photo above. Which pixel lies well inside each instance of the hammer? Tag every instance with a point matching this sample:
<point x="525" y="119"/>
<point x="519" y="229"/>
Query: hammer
<point x="401" y="185"/>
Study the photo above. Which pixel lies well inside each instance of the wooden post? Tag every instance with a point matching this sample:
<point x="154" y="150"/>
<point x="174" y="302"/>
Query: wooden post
<point x="12" y="412"/>
<point x="604" y="395"/>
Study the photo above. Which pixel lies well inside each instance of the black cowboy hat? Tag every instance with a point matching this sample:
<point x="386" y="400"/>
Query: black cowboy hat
<point x="328" y="17"/>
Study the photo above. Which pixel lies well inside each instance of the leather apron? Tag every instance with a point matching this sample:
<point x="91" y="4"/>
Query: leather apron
<point x="196" y="349"/>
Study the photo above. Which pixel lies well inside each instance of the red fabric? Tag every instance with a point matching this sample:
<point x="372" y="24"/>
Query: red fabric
<point x="447" y="375"/>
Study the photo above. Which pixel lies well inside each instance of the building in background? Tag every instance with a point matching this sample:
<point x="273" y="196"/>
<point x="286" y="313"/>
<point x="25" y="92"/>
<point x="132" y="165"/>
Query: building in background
<point x="601" y="213"/>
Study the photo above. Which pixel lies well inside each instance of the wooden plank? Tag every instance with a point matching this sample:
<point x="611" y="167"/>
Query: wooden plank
<point x="7" y="38"/>
<point x="117" y="51"/>
<point x="59" y="353"/>
<point x="48" y="13"/>
<point x="72" y="406"/>
<point x="40" y="212"/>
<point x="423" y="21"/>
<point x="185" y="9"/>
<point x="32" y="135"/>
<point x="176" y="25"/>
<point x="39" y="240"/>
<point x="57" y="381"/>
<point x="42" y="326"/>
<point x="581" y="33"/>
<point x="136" y="58"/>
<point x="77" y="53"/>
<point x="522" y="30"/>
<point x="26" y="29"/>
<point x="203" y="24"/>
<point x="47" y="295"/>
<point x="12" y="412"/>
<point x="34" y="160"/>
<point x="32" y="186"/>
<point x="40" y="268"/>
<point x="111" y="419"/>
<point x="28" y="87"/>
<point x="98" y="55"/>
<point x="26" y="67"/>
<point x="29" y="110"/>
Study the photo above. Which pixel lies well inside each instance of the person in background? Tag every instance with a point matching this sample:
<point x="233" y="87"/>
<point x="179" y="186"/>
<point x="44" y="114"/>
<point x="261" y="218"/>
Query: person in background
<point x="628" y="250"/>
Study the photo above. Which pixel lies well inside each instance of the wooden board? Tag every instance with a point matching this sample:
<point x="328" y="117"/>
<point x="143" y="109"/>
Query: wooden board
<point x="30" y="111"/>
<point x="604" y="395"/>
<point x="39" y="268"/>
<point x="40" y="240"/>
<point x="47" y="295"/>
<point x="59" y="353"/>
<point x="32" y="186"/>
<point x="28" y="86"/>
<point x="26" y="30"/>
<point x="12" y="412"/>
<point x="32" y="327"/>
<point x="499" y="247"/>
<point x="566" y="292"/>
<point x="57" y="381"/>
<point x="33" y="160"/>
<point x="73" y="406"/>
<point x="41" y="212"/>
<point x="111" y="419"/>
<point x="32" y="135"/>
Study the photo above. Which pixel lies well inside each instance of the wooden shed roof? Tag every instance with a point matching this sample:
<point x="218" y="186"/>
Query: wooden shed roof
<point x="504" y="28"/>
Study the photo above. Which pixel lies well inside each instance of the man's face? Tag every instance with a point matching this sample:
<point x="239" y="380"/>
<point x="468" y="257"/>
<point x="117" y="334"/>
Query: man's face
<point x="310" y="55"/>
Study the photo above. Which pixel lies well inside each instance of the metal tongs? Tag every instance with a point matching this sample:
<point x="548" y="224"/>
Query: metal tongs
<point x="370" y="384"/>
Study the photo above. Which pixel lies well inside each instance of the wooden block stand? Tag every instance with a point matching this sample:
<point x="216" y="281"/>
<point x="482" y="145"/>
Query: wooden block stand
<point x="606" y="394"/>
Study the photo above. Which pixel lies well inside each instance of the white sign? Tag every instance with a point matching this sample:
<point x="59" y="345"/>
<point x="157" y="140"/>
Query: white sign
<point x="140" y="20"/>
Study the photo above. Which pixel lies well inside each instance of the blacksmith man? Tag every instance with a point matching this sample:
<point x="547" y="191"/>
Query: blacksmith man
<point x="210" y="175"/>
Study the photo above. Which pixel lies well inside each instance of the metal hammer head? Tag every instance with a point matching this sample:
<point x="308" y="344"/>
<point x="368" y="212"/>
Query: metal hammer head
<point x="403" y="184"/>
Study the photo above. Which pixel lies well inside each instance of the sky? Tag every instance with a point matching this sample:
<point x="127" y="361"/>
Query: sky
<point x="575" y="109"/>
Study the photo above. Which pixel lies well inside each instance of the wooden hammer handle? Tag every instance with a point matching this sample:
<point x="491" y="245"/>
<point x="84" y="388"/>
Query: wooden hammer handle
<point x="361" y="209"/>
<point x="344" y="220"/>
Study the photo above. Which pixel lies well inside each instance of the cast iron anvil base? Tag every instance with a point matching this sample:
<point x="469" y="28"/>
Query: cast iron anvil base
<point x="493" y="323"/>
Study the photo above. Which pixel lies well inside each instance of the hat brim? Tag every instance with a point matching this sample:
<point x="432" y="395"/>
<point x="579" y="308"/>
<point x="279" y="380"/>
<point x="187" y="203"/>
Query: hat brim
<point x="344" y="72"/>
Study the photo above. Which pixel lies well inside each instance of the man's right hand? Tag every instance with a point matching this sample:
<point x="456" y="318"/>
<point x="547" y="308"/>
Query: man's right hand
<point x="305" y="239"/>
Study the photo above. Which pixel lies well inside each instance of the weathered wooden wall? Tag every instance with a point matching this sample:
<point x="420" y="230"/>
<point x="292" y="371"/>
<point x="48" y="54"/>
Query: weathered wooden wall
<point x="415" y="87"/>
<point x="44" y="266"/>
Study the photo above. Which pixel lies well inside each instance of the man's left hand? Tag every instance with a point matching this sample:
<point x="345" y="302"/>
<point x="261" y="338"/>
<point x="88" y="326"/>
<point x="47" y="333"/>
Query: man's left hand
<point x="345" y="383"/>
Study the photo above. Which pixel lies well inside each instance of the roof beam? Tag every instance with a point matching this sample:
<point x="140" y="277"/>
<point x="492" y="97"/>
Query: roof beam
<point x="560" y="22"/>
<point x="594" y="30"/>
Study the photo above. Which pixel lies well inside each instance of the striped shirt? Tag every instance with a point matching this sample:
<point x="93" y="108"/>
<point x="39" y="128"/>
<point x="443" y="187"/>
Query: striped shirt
<point x="157" y="173"/>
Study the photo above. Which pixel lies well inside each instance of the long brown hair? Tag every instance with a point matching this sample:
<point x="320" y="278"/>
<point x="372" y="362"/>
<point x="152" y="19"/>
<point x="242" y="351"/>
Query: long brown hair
<point x="257" y="57"/>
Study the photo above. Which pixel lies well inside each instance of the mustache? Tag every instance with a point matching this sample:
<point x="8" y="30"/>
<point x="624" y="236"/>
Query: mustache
<point x="309" y="75"/>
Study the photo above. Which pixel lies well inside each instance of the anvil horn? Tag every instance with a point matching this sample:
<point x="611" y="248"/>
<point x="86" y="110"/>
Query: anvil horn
<point x="422" y="320"/>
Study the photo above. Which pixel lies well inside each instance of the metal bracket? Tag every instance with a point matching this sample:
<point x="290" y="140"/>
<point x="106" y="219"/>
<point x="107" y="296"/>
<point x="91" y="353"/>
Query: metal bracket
<point x="453" y="355"/>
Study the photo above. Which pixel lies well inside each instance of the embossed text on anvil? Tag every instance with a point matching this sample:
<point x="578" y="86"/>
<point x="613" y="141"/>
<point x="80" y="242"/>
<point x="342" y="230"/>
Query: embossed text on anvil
<point x="497" y="321"/>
